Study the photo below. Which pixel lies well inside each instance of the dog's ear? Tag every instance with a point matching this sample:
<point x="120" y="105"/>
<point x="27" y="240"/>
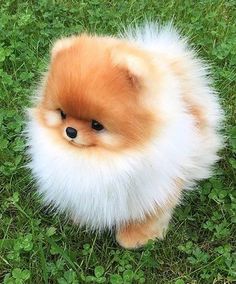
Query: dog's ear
<point x="61" y="44"/>
<point x="132" y="62"/>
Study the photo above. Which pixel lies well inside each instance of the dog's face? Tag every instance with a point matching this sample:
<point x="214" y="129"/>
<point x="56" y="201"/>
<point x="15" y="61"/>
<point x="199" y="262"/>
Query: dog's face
<point x="96" y="94"/>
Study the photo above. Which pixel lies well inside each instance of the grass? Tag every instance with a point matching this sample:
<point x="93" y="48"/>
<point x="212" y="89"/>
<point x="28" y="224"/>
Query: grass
<point x="37" y="247"/>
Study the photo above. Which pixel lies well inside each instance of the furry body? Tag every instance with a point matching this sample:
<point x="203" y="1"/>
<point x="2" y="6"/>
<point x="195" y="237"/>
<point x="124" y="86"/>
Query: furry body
<point x="161" y="120"/>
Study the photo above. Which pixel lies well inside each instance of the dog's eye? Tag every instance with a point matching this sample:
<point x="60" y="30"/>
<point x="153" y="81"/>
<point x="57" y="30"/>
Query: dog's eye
<point x="96" y="125"/>
<point x="63" y="115"/>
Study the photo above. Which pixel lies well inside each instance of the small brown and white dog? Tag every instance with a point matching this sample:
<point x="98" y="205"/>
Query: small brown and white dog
<point x="121" y="127"/>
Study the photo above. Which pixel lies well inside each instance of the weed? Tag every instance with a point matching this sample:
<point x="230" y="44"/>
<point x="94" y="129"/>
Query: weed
<point x="38" y="247"/>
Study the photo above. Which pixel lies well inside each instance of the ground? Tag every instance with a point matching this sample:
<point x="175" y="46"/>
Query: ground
<point x="38" y="247"/>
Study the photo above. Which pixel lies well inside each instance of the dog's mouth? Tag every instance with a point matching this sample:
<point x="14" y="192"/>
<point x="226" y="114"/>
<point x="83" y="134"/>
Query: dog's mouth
<point x="72" y="142"/>
<point x="79" y="145"/>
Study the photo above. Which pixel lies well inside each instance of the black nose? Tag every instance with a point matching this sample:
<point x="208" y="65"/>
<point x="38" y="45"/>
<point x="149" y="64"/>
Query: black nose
<point x="71" y="132"/>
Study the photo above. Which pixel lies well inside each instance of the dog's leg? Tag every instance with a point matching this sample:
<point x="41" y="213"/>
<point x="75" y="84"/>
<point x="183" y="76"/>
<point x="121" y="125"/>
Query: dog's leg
<point x="134" y="235"/>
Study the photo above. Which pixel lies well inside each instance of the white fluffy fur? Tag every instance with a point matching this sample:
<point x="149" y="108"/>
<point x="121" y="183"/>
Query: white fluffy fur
<point x="102" y="193"/>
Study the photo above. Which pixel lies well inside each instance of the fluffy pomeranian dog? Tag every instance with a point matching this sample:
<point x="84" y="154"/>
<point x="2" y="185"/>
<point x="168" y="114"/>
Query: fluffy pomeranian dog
<point x="121" y="127"/>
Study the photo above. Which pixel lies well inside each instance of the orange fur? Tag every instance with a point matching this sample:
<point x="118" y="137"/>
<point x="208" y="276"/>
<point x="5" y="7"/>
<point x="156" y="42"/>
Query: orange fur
<point x="194" y="108"/>
<point x="135" y="235"/>
<point x="88" y="81"/>
<point x="197" y="113"/>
